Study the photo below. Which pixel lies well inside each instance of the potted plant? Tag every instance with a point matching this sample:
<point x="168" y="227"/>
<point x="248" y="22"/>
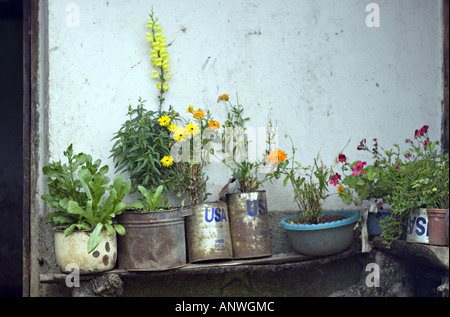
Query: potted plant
<point x="85" y="205"/>
<point x="249" y="223"/>
<point x="142" y="144"/>
<point x="207" y="228"/>
<point x="363" y="182"/>
<point x="155" y="238"/>
<point x="412" y="181"/>
<point x="313" y="231"/>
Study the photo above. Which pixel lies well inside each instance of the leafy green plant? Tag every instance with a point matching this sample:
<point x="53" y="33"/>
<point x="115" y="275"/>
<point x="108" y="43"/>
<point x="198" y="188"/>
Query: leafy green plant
<point x="310" y="183"/>
<point x="415" y="178"/>
<point x="140" y="146"/>
<point x="81" y="197"/>
<point x="242" y="169"/>
<point x="152" y="200"/>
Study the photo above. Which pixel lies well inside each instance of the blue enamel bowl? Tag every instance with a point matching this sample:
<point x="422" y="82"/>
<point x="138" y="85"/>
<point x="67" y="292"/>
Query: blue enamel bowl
<point x="325" y="238"/>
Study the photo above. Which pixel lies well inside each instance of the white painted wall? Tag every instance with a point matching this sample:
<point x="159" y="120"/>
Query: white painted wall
<point x="314" y="65"/>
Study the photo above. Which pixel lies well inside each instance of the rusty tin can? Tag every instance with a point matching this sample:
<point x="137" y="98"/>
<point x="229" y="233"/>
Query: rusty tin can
<point x="417" y="228"/>
<point x="208" y="232"/>
<point x="249" y="225"/>
<point x="153" y="241"/>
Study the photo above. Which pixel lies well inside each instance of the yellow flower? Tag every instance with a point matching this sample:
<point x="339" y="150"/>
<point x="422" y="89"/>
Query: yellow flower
<point x="180" y="134"/>
<point x="276" y="156"/>
<point x="164" y="121"/>
<point x="199" y="114"/>
<point x="213" y="124"/>
<point x="223" y="97"/>
<point x="190" y="109"/>
<point x="172" y="127"/>
<point x="167" y="161"/>
<point x="193" y="128"/>
<point x="155" y="74"/>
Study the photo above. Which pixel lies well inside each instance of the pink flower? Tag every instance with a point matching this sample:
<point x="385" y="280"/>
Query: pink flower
<point x="342" y="158"/>
<point x="334" y="179"/>
<point x="408" y="155"/>
<point x="397" y="166"/>
<point x="425" y="144"/>
<point x="358" y="167"/>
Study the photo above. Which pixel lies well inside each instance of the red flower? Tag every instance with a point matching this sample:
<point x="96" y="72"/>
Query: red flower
<point x="358" y="167"/>
<point x="421" y="132"/>
<point x="408" y="155"/>
<point x="334" y="179"/>
<point x="342" y="158"/>
<point x="425" y="144"/>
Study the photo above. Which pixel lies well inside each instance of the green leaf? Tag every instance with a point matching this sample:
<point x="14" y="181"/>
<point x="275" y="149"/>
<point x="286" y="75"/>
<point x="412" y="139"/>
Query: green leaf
<point x="120" y="229"/>
<point x="95" y="238"/>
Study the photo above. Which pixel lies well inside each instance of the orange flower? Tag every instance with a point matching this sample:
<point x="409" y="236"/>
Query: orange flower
<point x="276" y="156"/>
<point x="340" y="187"/>
<point x="199" y="114"/>
<point x="223" y="97"/>
<point x="213" y="124"/>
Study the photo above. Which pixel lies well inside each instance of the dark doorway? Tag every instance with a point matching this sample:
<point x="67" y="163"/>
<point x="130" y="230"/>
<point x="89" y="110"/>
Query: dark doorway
<point x="11" y="170"/>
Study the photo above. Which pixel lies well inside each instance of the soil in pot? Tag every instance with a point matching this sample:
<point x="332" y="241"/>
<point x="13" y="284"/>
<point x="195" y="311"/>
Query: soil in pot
<point x="322" y="219"/>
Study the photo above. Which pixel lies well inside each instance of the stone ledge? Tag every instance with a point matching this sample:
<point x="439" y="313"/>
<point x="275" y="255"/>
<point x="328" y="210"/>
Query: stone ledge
<point x="430" y="255"/>
<point x="275" y="263"/>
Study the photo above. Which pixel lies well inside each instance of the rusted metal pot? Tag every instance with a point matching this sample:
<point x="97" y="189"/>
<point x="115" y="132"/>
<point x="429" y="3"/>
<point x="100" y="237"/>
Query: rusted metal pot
<point x="249" y="225"/>
<point x="71" y="251"/>
<point x="153" y="241"/>
<point x="208" y="232"/>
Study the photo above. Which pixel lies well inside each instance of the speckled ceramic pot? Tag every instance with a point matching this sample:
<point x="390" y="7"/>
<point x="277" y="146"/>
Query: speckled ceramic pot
<point x="73" y="250"/>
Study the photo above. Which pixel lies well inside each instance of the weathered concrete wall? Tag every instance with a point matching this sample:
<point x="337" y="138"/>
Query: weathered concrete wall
<point x="314" y="67"/>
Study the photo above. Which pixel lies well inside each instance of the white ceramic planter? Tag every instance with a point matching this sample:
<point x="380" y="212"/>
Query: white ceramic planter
<point x="72" y="250"/>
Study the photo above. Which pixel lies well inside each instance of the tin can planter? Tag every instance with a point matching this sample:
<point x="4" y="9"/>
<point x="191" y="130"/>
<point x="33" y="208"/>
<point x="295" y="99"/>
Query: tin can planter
<point x="71" y="252"/>
<point x="373" y="221"/>
<point x="154" y="241"/>
<point x="249" y="225"/>
<point x="208" y="232"/>
<point x="437" y="227"/>
<point x="417" y="226"/>
<point x="322" y="239"/>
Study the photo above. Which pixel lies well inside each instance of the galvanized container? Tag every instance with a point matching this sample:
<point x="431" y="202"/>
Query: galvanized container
<point x="208" y="232"/>
<point x="417" y="227"/>
<point x="153" y="241"/>
<point x="249" y="225"/>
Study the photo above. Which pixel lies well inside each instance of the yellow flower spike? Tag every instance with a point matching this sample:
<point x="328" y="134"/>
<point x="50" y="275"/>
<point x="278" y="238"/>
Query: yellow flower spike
<point x="164" y="121"/>
<point x="167" y="161"/>
<point x="193" y="128"/>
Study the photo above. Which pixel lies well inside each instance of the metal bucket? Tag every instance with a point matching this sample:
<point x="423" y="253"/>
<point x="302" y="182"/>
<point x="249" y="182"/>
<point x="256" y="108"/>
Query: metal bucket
<point x="417" y="228"/>
<point x="208" y="232"/>
<point x="249" y="225"/>
<point x="153" y="241"/>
